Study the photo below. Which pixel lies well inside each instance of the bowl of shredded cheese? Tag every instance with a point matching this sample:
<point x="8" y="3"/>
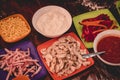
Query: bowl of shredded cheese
<point x="52" y="21"/>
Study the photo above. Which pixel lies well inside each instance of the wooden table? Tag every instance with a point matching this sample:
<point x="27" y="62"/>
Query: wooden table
<point x="99" y="71"/>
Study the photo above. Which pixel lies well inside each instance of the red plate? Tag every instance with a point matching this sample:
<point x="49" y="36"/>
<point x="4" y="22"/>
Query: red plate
<point x="49" y="43"/>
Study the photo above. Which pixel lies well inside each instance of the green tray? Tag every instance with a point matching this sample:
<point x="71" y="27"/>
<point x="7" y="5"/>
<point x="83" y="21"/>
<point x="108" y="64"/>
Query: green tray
<point x="118" y="6"/>
<point x="87" y="15"/>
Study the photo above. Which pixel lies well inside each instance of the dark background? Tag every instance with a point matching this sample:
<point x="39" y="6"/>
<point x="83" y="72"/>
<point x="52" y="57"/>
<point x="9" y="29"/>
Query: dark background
<point x="99" y="71"/>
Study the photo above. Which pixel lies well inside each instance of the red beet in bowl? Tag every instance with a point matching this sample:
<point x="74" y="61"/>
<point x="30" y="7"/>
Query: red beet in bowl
<point x="108" y="41"/>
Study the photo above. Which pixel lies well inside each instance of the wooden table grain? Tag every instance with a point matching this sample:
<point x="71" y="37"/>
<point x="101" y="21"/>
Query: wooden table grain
<point x="99" y="71"/>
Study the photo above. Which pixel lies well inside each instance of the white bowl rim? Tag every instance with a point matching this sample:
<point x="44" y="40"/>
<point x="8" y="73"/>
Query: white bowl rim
<point x="99" y="37"/>
<point x="42" y="11"/>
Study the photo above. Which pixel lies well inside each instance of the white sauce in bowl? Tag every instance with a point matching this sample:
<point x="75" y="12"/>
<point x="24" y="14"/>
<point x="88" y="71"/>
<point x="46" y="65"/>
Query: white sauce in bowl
<point x="53" y="21"/>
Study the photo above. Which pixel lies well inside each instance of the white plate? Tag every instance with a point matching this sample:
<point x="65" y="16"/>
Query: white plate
<point x="52" y="21"/>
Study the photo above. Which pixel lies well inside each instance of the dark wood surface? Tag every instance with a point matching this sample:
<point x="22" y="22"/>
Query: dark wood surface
<point x="99" y="71"/>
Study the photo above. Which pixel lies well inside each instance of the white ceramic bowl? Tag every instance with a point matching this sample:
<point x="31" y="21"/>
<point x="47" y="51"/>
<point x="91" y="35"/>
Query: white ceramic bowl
<point x="52" y="21"/>
<point x="101" y="36"/>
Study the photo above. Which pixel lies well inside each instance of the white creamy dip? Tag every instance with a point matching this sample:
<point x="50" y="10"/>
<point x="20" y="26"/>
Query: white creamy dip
<point x="52" y="21"/>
